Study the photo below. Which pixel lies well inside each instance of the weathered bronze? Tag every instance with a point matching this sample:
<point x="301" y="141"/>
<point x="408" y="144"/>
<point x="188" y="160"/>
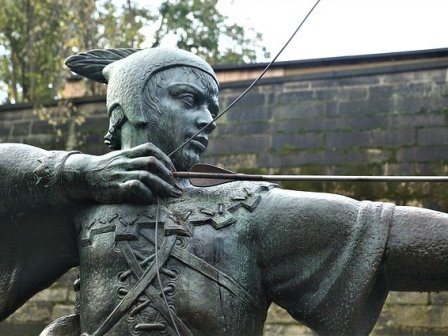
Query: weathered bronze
<point x="158" y="256"/>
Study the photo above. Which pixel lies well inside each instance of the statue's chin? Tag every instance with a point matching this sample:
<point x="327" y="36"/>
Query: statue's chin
<point x="185" y="160"/>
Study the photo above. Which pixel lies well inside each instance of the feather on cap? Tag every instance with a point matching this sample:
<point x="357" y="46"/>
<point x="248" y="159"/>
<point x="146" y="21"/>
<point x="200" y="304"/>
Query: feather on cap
<point x="90" y="64"/>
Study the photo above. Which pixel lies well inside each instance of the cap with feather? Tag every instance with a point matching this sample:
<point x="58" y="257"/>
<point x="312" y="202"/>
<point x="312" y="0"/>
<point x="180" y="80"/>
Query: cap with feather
<point x="126" y="71"/>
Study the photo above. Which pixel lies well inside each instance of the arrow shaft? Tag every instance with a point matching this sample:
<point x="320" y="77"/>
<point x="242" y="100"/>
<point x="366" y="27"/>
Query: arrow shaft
<point x="322" y="178"/>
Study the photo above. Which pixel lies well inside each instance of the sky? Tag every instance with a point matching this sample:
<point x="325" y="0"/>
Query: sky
<point x="343" y="27"/>
<point x="337" y="27"/>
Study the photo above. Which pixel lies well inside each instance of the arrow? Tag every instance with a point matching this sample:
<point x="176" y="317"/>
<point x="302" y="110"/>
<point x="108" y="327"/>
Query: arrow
<point x="205" y="175"/>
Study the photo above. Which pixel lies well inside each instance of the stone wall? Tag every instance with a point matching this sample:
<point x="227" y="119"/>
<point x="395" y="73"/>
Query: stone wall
<point x="390" y="120"/>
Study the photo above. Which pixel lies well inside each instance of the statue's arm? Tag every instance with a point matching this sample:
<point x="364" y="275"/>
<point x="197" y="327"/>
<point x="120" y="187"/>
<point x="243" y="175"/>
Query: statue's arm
<point x="35" y="178"/>
<point x="322" y="258"/>
<point x="416" y="258"/>
<point x="31" y="178"/>
<point x="331" y="260"/>
<point x="39" y="195"/>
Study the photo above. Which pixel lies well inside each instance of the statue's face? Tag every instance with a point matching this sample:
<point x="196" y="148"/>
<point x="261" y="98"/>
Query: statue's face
<point x="187" y="100"/>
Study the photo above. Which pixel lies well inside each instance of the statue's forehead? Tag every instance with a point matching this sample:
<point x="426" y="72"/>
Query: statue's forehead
<point x="191" y="76"/>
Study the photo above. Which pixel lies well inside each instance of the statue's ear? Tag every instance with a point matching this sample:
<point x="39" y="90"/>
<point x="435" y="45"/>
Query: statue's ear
<point x="90" y="64"/>
<point x="116" y="120"/>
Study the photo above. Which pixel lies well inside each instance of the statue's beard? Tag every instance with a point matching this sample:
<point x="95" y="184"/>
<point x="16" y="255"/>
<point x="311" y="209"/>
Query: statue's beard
<point x="185" y="158"/>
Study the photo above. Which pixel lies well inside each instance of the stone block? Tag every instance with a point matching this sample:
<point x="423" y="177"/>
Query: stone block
<point x="40" y="127"/>
<point x="46" y="141"/>
<point x="362" y="108"/>
<point x="408" y="298"/>
<point x="432" y="136"/>
<point x="295" y="96"/>
<point x="302" y="157"/>
<point x="252" y="99"/>
<point x="71" y="298"/>
<point x="294" y="86"/>
<point x="242" y="144"/>
<point x="439" y="103"/>
<point x="436" y="75"/>
<point x="303" y="140"/>
<point x="346" y="81"/>
<point x="60" y="310"/>
<point x="439" y="298"/>
<point x="375" y="138"/>
<point x="98" y="108"/>
<point x="362" y="123"/>
<point x="249" y="113"/>
<point x="233" y="161"/>
<point x="298" y="125"/>
<point x="420" y="316"/>
<point x="11" y="116"/>
<point x="255" y="127"/>
<point x="32" y="312"/>
<point x="352" y="93"/>
<point x="408" y="105"/>
<point x="366" y="156"/>
<point x="331" y="108"/>
<point x="301" y="110"/>
<point x="422" y="154"/>
<point x="52" y="294"/>
<point x="358" y="80"/>
<point x="21" y="128"/>
<point x="287" y="330"/>
<point x="415" y="120"/>
<point x="341" y="94"/>
<point x="94" y="124"/>
<point x="326" y="94"/>
<point x="381" y="92"/>
<point x="278" y="315"/>
<point x="5" y="129"/>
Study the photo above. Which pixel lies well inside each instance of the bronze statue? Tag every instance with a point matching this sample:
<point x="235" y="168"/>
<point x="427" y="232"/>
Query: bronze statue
<point x="158" y="256"/>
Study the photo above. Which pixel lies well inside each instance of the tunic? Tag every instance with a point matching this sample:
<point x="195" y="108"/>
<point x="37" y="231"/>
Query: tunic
<point x="226" y="253"/>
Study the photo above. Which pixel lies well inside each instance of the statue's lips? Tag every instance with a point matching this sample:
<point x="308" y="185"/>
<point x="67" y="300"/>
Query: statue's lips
<point x="200" y="143"/>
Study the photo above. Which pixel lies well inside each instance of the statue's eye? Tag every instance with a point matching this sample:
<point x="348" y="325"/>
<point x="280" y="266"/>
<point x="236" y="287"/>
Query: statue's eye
<point x="188" y="99"/>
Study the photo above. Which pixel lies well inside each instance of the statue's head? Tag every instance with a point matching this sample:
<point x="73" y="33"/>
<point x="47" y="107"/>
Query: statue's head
<point x="156" y="95"/>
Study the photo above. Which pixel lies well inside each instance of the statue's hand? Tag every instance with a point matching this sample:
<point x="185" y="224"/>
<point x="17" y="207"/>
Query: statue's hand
<point x="135" y="175"/>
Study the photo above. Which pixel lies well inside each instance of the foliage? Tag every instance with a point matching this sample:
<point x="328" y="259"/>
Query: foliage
<point x="37" y="35"/>
<point x="30" y="33"/>
<point x="199" y="27"/>
<point x="63" y="121"/>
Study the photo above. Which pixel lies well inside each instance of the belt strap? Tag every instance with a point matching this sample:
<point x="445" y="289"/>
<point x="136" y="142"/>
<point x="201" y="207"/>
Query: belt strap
<point x="142" y="283"/>
<point x="213" y="274"/>
<point x="153" y="293"/>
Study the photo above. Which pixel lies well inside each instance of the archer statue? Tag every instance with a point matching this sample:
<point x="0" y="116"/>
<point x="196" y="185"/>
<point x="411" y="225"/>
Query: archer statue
<point x="158" y="256"/>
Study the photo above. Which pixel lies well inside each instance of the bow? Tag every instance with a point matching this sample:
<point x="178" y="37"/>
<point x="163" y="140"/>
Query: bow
<point x="250" y="86"/>
<point x="208" y="175"/>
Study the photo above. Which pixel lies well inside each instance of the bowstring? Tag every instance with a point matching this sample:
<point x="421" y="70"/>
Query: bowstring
<point x="158" y="271"/>
<point x="251" y="85"/>
<point x="204" y="128"/>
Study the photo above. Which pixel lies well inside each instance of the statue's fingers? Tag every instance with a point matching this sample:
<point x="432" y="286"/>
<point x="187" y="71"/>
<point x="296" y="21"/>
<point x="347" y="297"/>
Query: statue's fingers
<point x="154" y="166"/>
<point x="156" y="184"/>
<point x="149" y="149"/>
<point x="135" y="191"/>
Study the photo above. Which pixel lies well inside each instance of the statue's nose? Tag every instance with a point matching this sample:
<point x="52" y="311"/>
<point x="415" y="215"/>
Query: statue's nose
<point x="205" y="119"/>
